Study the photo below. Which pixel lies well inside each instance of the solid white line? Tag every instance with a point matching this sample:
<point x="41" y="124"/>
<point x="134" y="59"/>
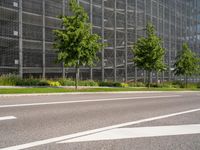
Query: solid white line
<point x="139" y="132"/>
<point x="82" y="93"/>
<point x="76" y="135"/>
<point x="86" y="101"/>
<point x="93" y="93"/>
<point x="7" y="118"/>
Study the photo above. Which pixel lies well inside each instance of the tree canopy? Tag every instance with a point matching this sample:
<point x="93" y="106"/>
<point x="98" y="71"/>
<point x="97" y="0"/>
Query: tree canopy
<point x="187" y="62"/>
<point x="148" y="52"/>
<point x="75" y="44"/>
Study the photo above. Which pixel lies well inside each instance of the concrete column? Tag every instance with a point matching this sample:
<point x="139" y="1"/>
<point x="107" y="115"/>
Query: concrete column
<point x="175" y="34"/>
<point x="91" y="20"/>
<point x="43" y="41"/>
<point x="126" y="40"/>
<point x="135" y="35"/>
<point x="102" y="36"/>
<point x="63" y="13"/>
<point x="151" y="15"/>
<point x="20" y="40"/>
<point x="163" y="73"/>
<point x="170" y="48"/>
<point x="115" y="40"/>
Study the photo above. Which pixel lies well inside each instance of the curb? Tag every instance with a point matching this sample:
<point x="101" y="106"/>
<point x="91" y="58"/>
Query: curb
<point x="78" y="93"/>
<point x="91" y="93"/>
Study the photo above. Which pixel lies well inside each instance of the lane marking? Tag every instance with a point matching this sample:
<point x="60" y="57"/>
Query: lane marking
<point x="139" y="132"/>
<point x="7" y="118"/>
<point x="81" y="93"/>
<point x="85" y="133"/>
<point x="86" y="101"/>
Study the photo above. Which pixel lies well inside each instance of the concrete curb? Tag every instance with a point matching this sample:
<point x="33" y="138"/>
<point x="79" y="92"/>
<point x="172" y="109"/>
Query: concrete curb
<point x="76" y="93"/>
<point x="84" y="93"/>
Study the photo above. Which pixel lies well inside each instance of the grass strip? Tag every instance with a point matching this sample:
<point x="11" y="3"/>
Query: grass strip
<point x="65" y="90"/>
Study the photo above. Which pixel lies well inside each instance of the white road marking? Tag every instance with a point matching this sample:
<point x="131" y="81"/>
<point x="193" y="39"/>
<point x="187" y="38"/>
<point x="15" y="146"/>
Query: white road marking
<point x="86" y="101"/>
<point x="141" y="132"/>
<point x="85" y="133"/>
<point x="7" y="118"/>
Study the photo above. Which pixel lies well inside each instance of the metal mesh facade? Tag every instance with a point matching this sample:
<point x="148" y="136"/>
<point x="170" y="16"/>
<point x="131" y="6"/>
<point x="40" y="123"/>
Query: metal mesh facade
<point x="26" y="35"/>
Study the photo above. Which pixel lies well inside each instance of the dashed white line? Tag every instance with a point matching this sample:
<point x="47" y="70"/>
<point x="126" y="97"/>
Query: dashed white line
<point x="86" y="101"/>
<point x="7" y="118"/>
<point x="89" y="132"/>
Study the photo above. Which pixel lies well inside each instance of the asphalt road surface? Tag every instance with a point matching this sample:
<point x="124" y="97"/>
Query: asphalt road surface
<point x="128" y="121"/>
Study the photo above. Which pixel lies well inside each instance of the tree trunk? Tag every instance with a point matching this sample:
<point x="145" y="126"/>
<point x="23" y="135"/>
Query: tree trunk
<point x="157" y="74"/>
<point x="144" y="76"/>
<point x="63" y="70"/>
<point x="149" y="79"/>
<point x="77" y="77"/>
<point x="186" y="81"/>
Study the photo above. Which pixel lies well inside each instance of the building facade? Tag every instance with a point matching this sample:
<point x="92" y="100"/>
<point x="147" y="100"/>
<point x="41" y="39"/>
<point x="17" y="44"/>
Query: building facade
<point x="26" y="35"/>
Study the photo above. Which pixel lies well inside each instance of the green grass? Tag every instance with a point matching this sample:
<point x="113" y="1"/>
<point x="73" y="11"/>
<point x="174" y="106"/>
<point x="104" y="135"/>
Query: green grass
<point x="33" y="90"/>
<point x="62" y="90"/>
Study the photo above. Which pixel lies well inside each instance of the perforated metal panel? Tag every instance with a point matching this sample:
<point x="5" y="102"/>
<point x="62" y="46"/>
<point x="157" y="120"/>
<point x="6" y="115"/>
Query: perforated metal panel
<point x="119" y="22"/>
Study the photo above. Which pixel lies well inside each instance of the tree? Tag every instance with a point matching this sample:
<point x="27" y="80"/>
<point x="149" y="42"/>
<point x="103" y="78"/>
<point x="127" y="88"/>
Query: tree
<point x="149" y="53"/>
<point x="74" y="43"/>
<point x="187" y="63"/>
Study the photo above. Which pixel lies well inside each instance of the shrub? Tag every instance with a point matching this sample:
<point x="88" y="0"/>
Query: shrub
<point x="178" y="84"/>
<point x="164" y="85"/>
<point x="108" y="84"/>
<point x="9" y="80"/>
<point x="167" y="85"/>
<point x="113" y="84"/>
<point x="124" y="85"/>
<point x="198" y="85"/>
<point x="27" y="82"/>
<point x="43" y="83"/>
<point x="13" y="80"/>
<point x="136" y="84"/>
<point x="66" y="82"/>
<point x="154" y="85"/>
<point x="192" y="85"/>
<point x="53" y="83"/>
<point x="88" y="83"/>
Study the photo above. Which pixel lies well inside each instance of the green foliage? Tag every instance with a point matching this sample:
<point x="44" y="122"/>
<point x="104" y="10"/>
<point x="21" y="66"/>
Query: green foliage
<point x="13" y="80"/>
<point x="70" y="82"/>
<point x="53" y="83"/>
<point x="178" y="84"/>
<point x="125" y="85"/>
<point x="107" y="84"/>
<point x="27" y="82"/>
<point x="187" y="62"/>
<point x="192" y="86"/>
<point x="113" y="84"/>
<point x="9" y="80"/>
<point x="43" y="83"/>
<point x="88" y="83"/>
<point x="148" y="52"/>
<point x="75" y="44"/>
<point x="198" y="85"/>
<point x="169" y="85"/>
<point x="175" y="84"/>
<point x="66" y="82"/>
<point x="136" y="84"/>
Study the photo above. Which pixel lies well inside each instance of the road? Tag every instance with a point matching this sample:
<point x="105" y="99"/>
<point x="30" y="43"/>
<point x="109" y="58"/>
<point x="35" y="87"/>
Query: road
<point x="123" y="121"/>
